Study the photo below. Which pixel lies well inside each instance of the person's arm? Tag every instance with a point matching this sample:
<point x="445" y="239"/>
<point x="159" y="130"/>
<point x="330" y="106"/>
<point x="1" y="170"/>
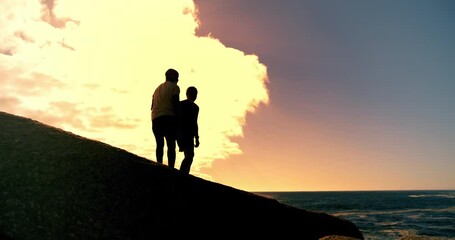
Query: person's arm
<point x="196" y="130"/>
<point x="176" y="99"/>
<point x="175" y="103"/>
<point x="151" y="107"/>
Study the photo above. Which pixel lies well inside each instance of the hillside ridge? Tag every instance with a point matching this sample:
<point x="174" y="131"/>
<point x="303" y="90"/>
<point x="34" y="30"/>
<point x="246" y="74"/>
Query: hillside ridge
<point x="59" y="185"/>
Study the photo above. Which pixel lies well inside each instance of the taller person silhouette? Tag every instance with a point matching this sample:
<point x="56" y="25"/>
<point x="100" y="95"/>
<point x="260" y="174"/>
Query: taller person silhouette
<point x="165" y="102"/>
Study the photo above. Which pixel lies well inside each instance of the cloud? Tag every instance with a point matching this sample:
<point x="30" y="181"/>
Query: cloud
<point x="48" y="15"/>
<point x="90" y="67"/>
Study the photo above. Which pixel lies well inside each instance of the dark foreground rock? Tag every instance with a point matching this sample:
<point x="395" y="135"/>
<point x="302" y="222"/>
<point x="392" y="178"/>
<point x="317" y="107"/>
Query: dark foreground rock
<point x="57" y="185"/>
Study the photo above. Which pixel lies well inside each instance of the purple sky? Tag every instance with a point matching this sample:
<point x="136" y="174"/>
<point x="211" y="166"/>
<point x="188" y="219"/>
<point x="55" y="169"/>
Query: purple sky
<point x="369" y="81"/>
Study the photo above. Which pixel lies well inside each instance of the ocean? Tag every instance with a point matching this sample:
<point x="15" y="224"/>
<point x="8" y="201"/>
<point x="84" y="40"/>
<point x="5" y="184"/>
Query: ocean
<point x="383" y="215"/>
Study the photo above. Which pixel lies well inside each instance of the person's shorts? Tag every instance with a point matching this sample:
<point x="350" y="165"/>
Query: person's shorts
<point x="185" y="143"/>
<point x="165" y="126"/>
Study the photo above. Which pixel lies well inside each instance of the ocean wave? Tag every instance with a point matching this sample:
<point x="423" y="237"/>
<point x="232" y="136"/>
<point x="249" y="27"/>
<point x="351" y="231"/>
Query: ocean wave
<point x="403" y="211"/>
<point x="422" y="237"/>
<point x="388" y="223"/>
<point x="435" y="195"/>
<point x="401" y="234"/>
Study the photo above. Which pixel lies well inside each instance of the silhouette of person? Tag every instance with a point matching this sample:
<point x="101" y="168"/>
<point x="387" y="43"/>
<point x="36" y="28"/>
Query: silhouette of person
<point x="188" y="136"/>
<point x="165" y="102"/>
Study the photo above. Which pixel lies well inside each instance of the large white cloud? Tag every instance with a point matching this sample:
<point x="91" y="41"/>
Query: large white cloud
<point x="90" y="67"/>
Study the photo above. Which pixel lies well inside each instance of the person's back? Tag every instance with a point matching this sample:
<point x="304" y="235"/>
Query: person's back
<point x="189" y="131"/>
<point x="162" y="99"/>
<point x="165" y="101"/>
<point x="188" y="118"/>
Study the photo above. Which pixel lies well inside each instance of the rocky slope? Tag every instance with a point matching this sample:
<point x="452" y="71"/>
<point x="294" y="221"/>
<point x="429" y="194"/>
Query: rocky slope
<point x="58" y="185"/>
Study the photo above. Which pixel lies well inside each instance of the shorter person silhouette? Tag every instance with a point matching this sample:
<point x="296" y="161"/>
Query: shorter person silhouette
<point x="188" y="135"/>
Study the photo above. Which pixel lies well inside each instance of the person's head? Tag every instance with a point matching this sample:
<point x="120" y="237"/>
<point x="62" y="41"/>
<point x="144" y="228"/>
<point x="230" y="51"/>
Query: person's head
<point x="172" y="75"/>
<point x="191" y="93"/>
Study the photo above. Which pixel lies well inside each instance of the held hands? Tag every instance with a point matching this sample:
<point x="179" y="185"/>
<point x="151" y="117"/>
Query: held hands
<point x="197" y="142"/>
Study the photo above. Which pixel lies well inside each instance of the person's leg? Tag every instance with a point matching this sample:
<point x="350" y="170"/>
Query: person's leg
<point x="170" y="136"/>
<point x="170" y="142"/>
<point x="159" y="139"/>
<point x="188" y="160"/>
<point x="159" y="149"/>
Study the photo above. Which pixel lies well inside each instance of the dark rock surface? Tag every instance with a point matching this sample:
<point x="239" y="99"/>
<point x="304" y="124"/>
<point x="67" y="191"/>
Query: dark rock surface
<point x="58" y="185"/>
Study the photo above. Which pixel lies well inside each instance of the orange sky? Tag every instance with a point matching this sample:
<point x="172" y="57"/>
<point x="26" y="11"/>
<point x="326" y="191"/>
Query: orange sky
<point x="90" y="67"/>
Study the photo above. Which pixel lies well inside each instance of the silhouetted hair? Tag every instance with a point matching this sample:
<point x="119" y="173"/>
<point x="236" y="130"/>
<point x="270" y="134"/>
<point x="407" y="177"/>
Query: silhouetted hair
<point x="172" y="75"/>
<point x="191" y="93"/>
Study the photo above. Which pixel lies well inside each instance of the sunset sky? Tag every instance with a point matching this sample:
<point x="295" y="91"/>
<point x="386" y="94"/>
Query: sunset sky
<point x="294" y="95"/>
